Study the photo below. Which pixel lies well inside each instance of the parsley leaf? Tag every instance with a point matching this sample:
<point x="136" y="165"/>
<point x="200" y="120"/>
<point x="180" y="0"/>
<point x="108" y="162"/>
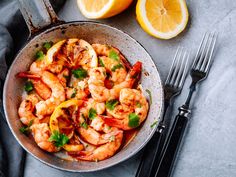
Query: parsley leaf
<point x="74" y="93"/>
<point x="153" y="124"/>
<point x="39" y="55"/>
<point x="133" y="120"/>
<point x="116" y="67"/>
<point x="101" y="62"/>
<point x="111" y="104"/>
<point x="48" y="45"/>
<point x="26" y="129"/>
<point x="84" y="125"/>
<point x="150" y="95"/>
<point x="92" y="113"/>
<point x="59" y="139"/>
<point x="114" y="55"/>
<point x="28" y="86"/>
<point x="80" y="73"/>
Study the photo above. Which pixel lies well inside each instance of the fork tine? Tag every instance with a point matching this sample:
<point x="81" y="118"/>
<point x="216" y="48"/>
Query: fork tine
<point x="214" y="36"/>
<point x="181" y="73"/>
<point x="184" y="73"/>
<point x="203" y="52"/>
<point x="198" y="52"/>
<point x="173" y="66"/>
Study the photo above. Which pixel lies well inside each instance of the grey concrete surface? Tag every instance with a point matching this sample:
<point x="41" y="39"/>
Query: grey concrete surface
<point x="209" y="146"/>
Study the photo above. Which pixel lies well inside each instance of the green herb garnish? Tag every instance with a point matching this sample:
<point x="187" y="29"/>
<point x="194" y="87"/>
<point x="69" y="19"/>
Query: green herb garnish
<point x="48" y="45"/>
<point x="114" y="55"/>
<point x="138" y="105"/>
<point x="80" y="73"/>
<point x="74" y="93"/>
<point x="116" y="67"/>
<point x="26" y="129"/>
<point x="111" y="104"/>
<point x="84" y="125"/>
<point x="133" y="120"/>
<point x="112" y="138"/>
<point x="39" y="55"/>
<point x="101" y="62"/>
<point x="59" y="139"/>
<point x="28" y="86"/>
<point x="150" y="95"/>
<point x="153" y="124"/>
<point x="92" y="113"/>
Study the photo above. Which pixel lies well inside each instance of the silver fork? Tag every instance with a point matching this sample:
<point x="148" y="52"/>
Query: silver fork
<point x="173" y="87"/>
<point x="199" y="72"/>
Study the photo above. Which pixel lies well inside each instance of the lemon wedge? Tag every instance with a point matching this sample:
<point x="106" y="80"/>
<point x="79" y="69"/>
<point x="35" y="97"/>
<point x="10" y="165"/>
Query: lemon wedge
<point x="97" y="9"/>
<point x="163" y="19"/>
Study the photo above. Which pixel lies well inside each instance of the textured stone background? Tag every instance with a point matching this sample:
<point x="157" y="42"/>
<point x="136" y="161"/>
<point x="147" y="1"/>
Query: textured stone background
<point x="209" y="147"/>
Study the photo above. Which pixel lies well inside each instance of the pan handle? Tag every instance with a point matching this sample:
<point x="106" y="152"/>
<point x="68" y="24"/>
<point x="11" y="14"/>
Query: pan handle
<point x="38" y="14"/>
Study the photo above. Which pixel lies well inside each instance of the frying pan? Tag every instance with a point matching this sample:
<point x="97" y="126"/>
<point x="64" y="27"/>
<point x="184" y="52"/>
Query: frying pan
<point x="44" y="26"/>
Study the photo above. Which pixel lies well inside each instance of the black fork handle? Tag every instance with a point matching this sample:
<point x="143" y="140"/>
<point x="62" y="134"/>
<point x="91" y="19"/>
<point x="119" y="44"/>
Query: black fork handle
<point x="150" y="154"/>
<point x="173" y="144"/>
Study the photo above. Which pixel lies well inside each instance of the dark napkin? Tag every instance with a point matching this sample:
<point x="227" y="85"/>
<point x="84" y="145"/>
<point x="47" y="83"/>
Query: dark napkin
<point x="13" y="34"/>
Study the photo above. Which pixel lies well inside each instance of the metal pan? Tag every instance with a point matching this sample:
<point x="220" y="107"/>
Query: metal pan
<point x="45" y="26"/>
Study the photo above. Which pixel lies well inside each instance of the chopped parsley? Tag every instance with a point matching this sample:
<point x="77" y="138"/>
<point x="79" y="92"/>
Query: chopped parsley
<point x="116" y="67"/>
<point x="111" y="104"/>
<point x="133" y="120"/>
<point x="114" y="55"/>
<point x="84" y="125"/>
<point x="80" y="73"/>
<point x="150" y="95"/>
<point x="153" y="124"/>
<point x="28" y="86"/>
<point x="26" y="129"/>
<point x="138" y="105"/>
<point x="112" y="138"/>
<point x="48" y="45"/>
<point x="92" y="113"/>
<point x="74" y="93"/>
<point x="59" y="139"/>
<point x="101" y="62"/>
<point x="39" y="55"/>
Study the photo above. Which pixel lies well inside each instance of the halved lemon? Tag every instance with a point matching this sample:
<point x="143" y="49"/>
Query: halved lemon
<point x="97" y="9"/>
<point x="163" y="19"/>
<point x="61" y="118"/>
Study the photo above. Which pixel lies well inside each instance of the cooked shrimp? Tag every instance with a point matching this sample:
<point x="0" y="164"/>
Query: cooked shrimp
<point x="37" y="66"/>
<point x="41" y="134"/>
<point x="58" y="95"/>
<point x="63" y="76"/>
<point x="115" y="68"/>
<point x="97" y="87"/>
<point x="104" y="151"/>
<point x="26" y="109"/>
<point x="130" y="99"/>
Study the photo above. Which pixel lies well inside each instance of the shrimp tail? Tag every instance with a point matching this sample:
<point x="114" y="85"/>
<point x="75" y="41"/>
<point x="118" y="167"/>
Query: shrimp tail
<point x="28" y="75"/>
<point x="135" y="73"/>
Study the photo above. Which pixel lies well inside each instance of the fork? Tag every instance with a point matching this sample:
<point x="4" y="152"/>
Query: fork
<point x="199" y="72"/>
<point x="173" y="87"/>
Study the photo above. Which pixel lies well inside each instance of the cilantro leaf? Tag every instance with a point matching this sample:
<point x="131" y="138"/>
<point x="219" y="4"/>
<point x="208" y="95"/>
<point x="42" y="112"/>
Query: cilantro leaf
<point x="59" y="139"/>
<point x="84" y="125"/>
<point x="39" y="55"/>
<point x="80" y="73"/>
<point x="150" y="95"/>
<point x="114" y="55"/>
<point x="133" y="120"/>
<point x="111" y="104"/>
<point x="153" y="124"/>
<point x="116" y="67"/>
<point x="101" y="62"/>
<point x="28" y="86"/>
<point x="74" y="93"/>
<point x="48" y="45"/>
<point x="92" y="113"/>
